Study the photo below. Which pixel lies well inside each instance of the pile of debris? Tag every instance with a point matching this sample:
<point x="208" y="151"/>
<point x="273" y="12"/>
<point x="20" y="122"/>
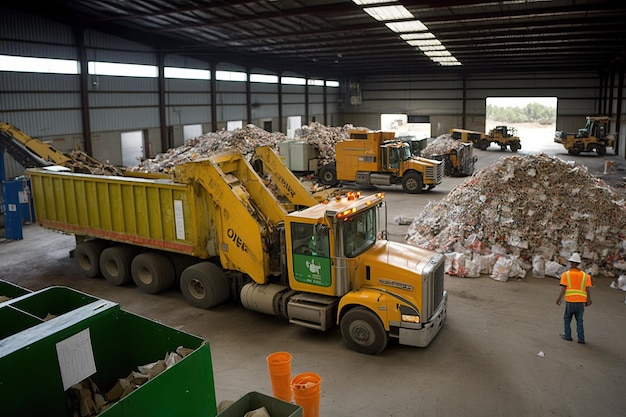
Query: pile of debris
<point x="441" y="145"/>
<point x="85" y="399"/>
<point x="525" y="212"/>
<point x="83" y="163"/>
<point x="324" y="138"/>
<point x="243" y="140"/>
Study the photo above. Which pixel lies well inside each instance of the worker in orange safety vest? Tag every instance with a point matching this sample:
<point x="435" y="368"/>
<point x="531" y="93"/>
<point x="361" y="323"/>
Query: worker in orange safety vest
<point x="575" y="286"/>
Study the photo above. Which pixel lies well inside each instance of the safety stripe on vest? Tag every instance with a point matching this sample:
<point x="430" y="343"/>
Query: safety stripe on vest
<point x="574" y="291"/>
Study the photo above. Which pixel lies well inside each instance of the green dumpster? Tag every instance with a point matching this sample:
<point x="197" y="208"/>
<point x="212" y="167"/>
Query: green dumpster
<point x="91" y="337"/>
<point x="254" y="400"/>
<point x="10" y="290"/>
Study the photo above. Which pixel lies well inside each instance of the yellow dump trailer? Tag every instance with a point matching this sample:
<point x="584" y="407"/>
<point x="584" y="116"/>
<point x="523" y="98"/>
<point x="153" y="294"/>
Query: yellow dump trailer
<point x="224" y="231"/>
<point x="157" y="214"/>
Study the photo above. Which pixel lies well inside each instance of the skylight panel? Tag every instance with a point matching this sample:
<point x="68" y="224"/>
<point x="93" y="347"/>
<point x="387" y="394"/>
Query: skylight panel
<point x="386" y="13"/>
<point x="410" y="26"/>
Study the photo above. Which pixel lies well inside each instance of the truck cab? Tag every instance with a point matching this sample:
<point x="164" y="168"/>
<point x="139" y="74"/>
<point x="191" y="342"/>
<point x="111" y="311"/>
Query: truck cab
<point x="346" y="273"/>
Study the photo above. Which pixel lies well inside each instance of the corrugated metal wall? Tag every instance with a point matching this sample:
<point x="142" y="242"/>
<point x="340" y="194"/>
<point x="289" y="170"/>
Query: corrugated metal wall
<point x="48" y="106"/>
<point x="448" y="100"/>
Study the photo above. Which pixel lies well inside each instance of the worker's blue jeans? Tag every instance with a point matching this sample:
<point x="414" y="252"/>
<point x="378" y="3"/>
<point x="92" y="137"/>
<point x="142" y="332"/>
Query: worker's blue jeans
<point x="574" y="310"/>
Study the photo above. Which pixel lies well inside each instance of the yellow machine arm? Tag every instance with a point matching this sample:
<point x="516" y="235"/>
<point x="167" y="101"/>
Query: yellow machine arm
<point x="284" y="179"/>
<point x="28" y="151"/>
<point x="246" y="211"/>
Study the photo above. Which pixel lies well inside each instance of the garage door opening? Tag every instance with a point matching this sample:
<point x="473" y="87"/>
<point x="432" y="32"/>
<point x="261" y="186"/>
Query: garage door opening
<point x="534" y="118"/>
<point x="405" y="125"/>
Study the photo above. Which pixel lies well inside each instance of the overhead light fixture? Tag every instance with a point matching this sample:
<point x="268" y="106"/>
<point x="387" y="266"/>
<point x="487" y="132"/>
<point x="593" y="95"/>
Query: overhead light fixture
<point x="386" y="13"/>
<point x="443" y="59"/>
<point x="430" y="48"/>
<point x="409" y="26"/>
<point x="426" y="42"/>
<point x="414" y="32"/>
<point x="420" y="35"/>
<point x="368" y="2"/>
<point x="450" y="64"/>
<point x="437" y="53"/>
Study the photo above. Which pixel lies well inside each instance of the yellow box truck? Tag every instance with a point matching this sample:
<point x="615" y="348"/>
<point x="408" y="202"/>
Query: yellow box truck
<point x="377" y="158"/>
<point x="216" y="228"/>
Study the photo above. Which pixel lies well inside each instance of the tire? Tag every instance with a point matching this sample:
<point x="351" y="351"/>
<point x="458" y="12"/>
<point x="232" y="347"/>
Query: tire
<point x="115" y="264"/>
<point x="181" y="262"/>
<point x="573" y="151"/>
<point x="204" y="285"/>
<point x="503" y="147"/>
<point x="515" y="146"/>
<point x="363" y="331"/>
<point x="483" y="144"/>
<point x="601" y="150"/>
<point x="412" y="183"/>
<point x="152" y="272"/>
<point x="328" y="175"/>
<point x="87" y="258"/>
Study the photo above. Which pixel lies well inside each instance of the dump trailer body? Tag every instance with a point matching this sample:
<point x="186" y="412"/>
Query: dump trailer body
<point x="158" y="214"/>
<point x="235" y="221"/>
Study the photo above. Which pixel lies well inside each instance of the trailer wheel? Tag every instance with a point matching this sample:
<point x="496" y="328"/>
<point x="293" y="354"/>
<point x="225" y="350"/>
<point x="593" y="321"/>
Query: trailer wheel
<point x="204" y="285"/>
<point x="601" y="150"/>
<point x="115" y="264"/>
<point x="363" y="331"/>
<point x="483" y="144"/>
<point x="152" y="272"/>
<point x="87" y="258"/>
<point x="412" y="183"/>
<point x="328" y="175"/>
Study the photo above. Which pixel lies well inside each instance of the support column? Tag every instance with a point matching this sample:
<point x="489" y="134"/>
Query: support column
<point x="79" y="34"/>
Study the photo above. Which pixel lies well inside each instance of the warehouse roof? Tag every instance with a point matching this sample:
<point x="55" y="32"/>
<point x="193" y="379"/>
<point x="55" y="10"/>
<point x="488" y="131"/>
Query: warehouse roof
<point x="354" y="38"/>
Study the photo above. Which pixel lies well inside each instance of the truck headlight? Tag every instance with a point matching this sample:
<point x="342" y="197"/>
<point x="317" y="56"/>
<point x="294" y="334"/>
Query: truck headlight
<point x="410" y="318"/>
<point x="409" y="315"/>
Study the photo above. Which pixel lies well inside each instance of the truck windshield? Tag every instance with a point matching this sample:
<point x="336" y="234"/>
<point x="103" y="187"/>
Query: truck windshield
<point x="405" y="151"/>
<point x="359" y="232"/>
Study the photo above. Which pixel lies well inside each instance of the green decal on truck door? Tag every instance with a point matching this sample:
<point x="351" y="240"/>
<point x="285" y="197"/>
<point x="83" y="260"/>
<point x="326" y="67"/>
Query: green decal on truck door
<point x="314" y="270"/>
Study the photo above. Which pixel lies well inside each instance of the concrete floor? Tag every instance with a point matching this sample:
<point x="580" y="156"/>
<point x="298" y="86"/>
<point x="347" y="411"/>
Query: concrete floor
<point x="485" y="362"/>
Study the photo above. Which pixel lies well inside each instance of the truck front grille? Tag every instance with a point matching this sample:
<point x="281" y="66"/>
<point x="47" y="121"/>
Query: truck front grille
<point x="432" y="286"/>
<point x="436" y="173"/>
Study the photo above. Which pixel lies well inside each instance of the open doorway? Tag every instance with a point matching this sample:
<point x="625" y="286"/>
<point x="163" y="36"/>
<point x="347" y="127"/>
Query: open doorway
<point x="132" y="147"/>
<point x="534" y="119"/>
<point x="404" y="125"/>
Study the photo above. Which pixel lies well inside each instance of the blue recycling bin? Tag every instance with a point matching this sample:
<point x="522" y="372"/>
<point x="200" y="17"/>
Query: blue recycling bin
<point x="18" y="206"/>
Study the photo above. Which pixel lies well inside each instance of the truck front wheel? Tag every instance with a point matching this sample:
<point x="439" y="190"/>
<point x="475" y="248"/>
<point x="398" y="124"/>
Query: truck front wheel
<point x="328" y="175"/>
<point x="412" y="183"/>
<point x="204" y="285"/>
<point x="363" y="331"/>
<point x="152" y="272"/>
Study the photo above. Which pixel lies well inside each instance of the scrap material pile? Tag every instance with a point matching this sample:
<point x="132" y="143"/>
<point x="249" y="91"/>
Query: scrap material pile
<point x="81" y="162"/>
<point x="441" y="145"/>
<point x="85" y="399"/>
<point x="526" y="212"/>
<point x="243" y="140"/>
<point x="324" y="138"/>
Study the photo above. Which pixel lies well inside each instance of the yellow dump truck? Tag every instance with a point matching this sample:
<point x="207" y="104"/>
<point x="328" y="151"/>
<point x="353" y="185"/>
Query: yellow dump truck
<point x="594" y="137"/>
<point x="216" y="228"/>
<point x="503" y="136"/>
<point x="377" y="158"/>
